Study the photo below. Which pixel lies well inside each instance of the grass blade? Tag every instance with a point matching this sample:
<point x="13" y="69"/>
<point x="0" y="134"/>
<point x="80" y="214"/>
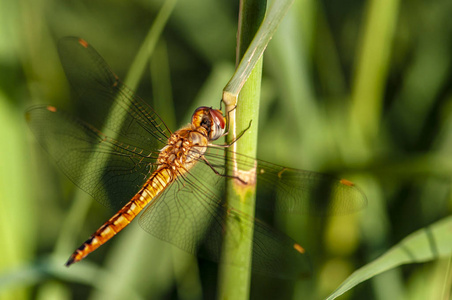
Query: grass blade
<point x="426" y="244"/>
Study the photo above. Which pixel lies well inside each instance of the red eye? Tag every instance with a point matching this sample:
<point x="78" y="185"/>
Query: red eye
<point x="211" y="119"/>
<point x="218" y="118"/>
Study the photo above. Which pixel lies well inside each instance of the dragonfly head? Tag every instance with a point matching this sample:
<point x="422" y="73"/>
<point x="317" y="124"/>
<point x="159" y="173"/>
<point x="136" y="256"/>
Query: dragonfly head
<point x="211" y="119"/>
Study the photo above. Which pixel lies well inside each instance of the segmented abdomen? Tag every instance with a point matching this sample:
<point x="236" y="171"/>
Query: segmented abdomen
<point x="156" y="184"/>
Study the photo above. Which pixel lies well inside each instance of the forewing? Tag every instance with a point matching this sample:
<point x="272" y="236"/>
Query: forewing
<point x="110" y="171"/>
<point x="105" y="102"/>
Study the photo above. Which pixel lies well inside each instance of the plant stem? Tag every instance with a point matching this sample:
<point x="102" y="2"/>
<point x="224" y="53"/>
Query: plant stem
<point x="235" y="276"/>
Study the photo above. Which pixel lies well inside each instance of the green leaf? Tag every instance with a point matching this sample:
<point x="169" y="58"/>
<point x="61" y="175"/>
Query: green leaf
<point x="426" y="244"/>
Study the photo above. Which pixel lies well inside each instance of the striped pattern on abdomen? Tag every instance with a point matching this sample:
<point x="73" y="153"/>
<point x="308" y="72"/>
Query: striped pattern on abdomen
<point x="156" y="184"/>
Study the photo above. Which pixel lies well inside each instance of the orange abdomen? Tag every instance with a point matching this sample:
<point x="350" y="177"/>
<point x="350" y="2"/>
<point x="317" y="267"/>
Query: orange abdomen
<point x="156" y="184"/>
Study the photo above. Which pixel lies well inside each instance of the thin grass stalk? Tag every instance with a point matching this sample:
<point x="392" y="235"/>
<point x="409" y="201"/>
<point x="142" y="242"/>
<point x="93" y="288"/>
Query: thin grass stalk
<point x="16" y="216"/>
<point x="369" y="84"/>
<point x="372" y="66"/>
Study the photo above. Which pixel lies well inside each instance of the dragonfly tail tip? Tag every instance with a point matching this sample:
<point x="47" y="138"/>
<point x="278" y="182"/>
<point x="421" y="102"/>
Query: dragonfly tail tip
<point x="70" y="261"/>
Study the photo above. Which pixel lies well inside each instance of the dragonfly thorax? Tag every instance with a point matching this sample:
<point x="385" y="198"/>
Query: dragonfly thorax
<point x="185" y="147"/>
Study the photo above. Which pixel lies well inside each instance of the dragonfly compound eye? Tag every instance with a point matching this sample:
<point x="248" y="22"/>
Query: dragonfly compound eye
<point x="211" y="119"/>
<point x="218" y="125"/>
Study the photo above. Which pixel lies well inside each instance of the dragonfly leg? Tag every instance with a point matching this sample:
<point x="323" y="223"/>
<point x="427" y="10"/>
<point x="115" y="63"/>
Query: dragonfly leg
<point x="223" y="175"/>
<point x="234" y="140"/>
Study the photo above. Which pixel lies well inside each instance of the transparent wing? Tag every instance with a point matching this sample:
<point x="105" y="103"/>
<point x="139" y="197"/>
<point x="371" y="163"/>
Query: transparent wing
<point x="192" y="215"/>
<point x="295" y="191"/>
<point x="110" y="171"/>
<point x="110" y="167"/>
<point x="104" y="98"/>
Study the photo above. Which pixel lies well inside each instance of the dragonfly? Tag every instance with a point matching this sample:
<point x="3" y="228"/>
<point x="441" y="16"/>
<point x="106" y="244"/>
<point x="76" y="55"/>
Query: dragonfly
<point x="135" y="164"/>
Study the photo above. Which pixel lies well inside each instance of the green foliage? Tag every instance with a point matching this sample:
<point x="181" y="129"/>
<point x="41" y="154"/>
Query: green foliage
<point x="359" y="90"/>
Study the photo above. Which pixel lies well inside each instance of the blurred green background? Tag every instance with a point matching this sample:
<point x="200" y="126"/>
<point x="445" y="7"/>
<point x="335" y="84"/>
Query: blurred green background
<point x="358" y="89"/>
